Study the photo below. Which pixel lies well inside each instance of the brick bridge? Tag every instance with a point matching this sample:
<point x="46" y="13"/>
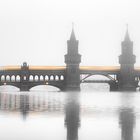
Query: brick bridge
<point x="120" y="78"/>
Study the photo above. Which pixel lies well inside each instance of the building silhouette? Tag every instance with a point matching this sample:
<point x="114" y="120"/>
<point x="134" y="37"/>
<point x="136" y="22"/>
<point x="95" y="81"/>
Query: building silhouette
<point x="72" y="60"/>
<point x="67" y="78"/>
<point x="126" y="78"/>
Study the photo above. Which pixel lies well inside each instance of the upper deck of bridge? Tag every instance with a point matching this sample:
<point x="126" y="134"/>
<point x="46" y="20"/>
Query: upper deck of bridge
<point x="60" y="68"/>
<point x="86" y="68"/>
<point x="96" y="68"/>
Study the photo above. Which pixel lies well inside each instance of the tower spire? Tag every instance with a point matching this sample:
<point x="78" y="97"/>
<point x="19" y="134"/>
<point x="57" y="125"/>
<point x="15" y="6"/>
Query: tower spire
<point x="127" y="37"/>
<point x="72" y="37"/>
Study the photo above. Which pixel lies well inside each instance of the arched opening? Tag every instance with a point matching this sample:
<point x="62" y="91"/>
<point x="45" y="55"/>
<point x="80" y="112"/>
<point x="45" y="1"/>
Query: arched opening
<point x="36" y="78"/>
<point x="138" y="88"/>
<point x="46" y="78"/>
<point x="17" y="78"/>
<point x="51" y="77"/>
<point x="2" y="78"/>
<point x="48" y="88"/>
<point x="41" y="78"/>
<point x="137" y="79"/>
<point x="24" y="78"/>
<point x="8" y="88"/>
<point x="98" y="76"/>
<point x="96" y="82"/>
<point x="8" y="78"/>
<point x="61" y="77"/>
<point x="56" y="78"/>
<point x="31" y="78"/>
<point x="13" y="78"/>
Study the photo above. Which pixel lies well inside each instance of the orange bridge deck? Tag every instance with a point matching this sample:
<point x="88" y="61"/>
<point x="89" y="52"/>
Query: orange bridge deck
<point x="91" y="68"/>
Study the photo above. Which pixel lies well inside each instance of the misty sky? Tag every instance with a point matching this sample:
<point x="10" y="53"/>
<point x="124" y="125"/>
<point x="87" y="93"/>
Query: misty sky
<point x="37" y="31"/>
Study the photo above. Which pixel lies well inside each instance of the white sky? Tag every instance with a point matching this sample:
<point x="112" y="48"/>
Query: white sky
<point x="37" y="31"/>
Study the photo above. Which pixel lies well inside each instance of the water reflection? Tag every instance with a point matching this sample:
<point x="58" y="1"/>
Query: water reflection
<point x="26" y="103"/>
<point x="127" y="118"/>
<point x="72" y="119"/>
<point x="127" y="123"/>
<point x="96" y="110"/>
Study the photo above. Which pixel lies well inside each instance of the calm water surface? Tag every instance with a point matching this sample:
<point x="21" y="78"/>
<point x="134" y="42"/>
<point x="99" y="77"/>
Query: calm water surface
<point x="44" y="115"/>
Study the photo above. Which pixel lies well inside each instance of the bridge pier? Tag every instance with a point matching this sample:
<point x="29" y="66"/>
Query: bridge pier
<point x="113" y="86"/>
<point x="72" y="88"/>
<point x="127" y="87"/>
<point x="24" y="77"/>
<point x="24" y="88"/>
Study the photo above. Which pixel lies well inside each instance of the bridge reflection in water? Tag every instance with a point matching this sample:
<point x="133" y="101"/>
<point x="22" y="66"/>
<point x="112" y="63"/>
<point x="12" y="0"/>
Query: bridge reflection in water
<point x="127" y="123"/>
<point x="70" y="105"/>
<point x="72" y="116"/>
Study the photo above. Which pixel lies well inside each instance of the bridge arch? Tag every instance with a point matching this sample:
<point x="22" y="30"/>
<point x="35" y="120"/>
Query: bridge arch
<point x="46" y="85"/>
<point x="8" y="78"/>
<point x="36" y="78"/>
<point x="62" y="77"/>
<point x="56" y="78"/>
<point x="3" y="78"/>
<point x="112" y="82"/>
<point x="41" y="78"/>
<point x="105" y="75"/>
<point x="7" y="86"/>
<point x="31" y="78"/>
<point x="52" y="77"/>
<point x="46" y="78"/>
<point x="17" y="78"/>
<point x="13" y="78"/>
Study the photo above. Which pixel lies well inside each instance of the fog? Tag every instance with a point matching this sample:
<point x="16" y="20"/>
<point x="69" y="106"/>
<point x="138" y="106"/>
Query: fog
<point x="37" y="31"/>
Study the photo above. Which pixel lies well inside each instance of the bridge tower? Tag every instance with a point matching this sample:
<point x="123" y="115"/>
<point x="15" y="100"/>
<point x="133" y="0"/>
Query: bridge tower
<point x="24" y="77"/>
<point x="72" y="60"/>
<point x="126" y="79"/>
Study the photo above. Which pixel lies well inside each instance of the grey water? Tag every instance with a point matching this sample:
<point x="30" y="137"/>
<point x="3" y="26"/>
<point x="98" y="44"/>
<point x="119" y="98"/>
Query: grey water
<point x="95" y="114"/>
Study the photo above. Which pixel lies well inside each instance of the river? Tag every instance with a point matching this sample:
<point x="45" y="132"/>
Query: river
<point x="54" y="115"/>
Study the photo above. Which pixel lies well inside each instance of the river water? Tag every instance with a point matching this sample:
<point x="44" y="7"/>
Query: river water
<point x="55" y="115"/>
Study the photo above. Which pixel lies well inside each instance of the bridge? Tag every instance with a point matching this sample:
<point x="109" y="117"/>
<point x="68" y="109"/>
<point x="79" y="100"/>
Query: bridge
<point x="124" y="77"/>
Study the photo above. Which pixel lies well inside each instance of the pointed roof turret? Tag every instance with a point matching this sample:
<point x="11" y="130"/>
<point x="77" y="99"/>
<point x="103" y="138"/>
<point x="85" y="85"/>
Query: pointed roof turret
<point x="72" y="37"/>
<point x="127" y="37"/>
